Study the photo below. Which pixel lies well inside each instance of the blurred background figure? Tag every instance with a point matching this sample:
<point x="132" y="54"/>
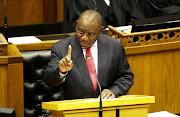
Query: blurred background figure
<point x="114" y="12"/>
<point x="155" y="8"/>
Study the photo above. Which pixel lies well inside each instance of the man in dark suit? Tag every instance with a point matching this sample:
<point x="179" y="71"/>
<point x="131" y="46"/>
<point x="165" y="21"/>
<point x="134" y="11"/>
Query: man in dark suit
<point x="117" y="13"/>
<point x="156" y="8"/>
<point x="68" y="67"/>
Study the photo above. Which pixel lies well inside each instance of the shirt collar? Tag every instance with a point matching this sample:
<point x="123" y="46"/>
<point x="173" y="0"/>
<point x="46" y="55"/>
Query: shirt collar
<point x="94" y="45"/>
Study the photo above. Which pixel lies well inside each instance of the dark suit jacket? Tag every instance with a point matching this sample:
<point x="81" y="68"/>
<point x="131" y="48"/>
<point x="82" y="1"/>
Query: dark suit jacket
<point x="114" y="72"/>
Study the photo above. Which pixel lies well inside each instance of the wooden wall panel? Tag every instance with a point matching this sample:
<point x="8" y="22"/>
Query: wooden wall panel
<point x="1" y="12"/>
<point x="50" y="10"/>
<point x="60" y="10"/>
<point x="157" y="74"/>
<point x="25" y="12"/>
<point x="155" y="64"/>
<point x="11" y="87"/>
<point x="11" y="81"/>
<point x="3" y="84"/>
<point x="16" y="88"/>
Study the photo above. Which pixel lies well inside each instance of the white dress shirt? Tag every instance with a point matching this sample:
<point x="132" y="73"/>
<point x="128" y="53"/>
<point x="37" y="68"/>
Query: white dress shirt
<point x="94" y="52"/>
<point x="107" y="2"/>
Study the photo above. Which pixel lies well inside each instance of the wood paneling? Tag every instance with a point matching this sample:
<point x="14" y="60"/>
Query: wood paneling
<point x="153" y="48"/>
<point x="3" y="85"/>
<point x="1" y="12"/>
<point x="157" y="74"/>
<point x="45" y="45"/>
<point x="60" y="10"/>
<point x="15" y="88"/>
<point x="3" y="46"/>
<point x="146" y="37"/>
<point x="50" y="10"/>
<point x="25" y="12"/>
<point x="36" y="46"/>
<point x="11" y="81"/>
<point x="155" y="62"/>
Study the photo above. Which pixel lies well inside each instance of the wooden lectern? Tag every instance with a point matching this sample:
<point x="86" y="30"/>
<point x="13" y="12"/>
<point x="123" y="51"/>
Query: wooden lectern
<point x="11" y="77"/>
<point x="129" y="105"/>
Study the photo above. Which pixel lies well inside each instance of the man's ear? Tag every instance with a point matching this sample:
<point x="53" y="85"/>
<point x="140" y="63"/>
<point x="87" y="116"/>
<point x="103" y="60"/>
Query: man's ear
<point x="76" y="23"/>
<point x="102" y="28"/>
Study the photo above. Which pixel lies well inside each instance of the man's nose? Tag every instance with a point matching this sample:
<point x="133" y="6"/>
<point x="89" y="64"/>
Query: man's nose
<point x="85" y="37"/>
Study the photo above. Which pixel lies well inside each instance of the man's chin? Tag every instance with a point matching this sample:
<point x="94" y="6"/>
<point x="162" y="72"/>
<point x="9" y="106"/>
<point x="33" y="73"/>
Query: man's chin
<point x="85" y="45"/>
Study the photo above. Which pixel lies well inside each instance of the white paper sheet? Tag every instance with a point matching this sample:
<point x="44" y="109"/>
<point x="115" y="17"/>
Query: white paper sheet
<point x="122" y="28"/>
<point x="162" y="114"/>
<point x="24" y="39"/>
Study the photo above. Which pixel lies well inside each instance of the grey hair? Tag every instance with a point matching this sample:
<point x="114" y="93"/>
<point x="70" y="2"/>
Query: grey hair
<point x="91" y="15"/>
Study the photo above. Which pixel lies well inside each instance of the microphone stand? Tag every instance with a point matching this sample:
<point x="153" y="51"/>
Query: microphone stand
<point x="117" y="112"/>
<point x="5" y="22"/>
<point x="100" y="102"/>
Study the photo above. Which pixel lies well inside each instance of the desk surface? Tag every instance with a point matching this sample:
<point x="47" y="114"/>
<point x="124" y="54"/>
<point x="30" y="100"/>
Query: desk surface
<point x="94" y="102"/>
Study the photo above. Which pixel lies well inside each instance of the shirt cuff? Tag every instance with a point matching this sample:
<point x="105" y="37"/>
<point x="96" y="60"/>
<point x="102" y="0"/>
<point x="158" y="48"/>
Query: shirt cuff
<point x="116" y="90"/>
<point x="62" y="76"/>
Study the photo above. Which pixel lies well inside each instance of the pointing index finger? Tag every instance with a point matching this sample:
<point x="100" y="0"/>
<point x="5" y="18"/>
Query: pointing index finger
<point x="69" y="51"/>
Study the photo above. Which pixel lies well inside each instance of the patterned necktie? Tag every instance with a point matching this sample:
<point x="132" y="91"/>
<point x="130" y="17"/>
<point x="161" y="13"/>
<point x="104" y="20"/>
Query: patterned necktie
<point x="93" y="78"/>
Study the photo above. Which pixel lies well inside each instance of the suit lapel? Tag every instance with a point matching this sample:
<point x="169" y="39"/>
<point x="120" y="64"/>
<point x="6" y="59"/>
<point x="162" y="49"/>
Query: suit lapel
<point x="78" y="59"/>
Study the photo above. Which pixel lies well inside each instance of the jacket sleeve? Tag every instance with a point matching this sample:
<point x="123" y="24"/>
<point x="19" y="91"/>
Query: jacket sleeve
<point x="51" y="75"/>
<point x="124" y="79"/>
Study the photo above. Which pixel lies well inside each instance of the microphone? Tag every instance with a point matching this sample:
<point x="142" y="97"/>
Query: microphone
<point x="100" y="102"/>
<point x="5" y="22"/>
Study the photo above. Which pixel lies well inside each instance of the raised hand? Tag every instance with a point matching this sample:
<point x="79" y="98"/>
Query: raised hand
<point x="65" y="64"/>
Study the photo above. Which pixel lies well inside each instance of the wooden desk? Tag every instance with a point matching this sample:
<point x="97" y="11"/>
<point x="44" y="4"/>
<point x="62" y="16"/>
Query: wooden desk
<point x="47" y="42"/>
<point x="130" y="106"/>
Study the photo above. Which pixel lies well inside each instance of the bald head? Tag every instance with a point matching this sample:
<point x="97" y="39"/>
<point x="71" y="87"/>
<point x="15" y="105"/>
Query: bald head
<point x="91" y="15"/>
<point x="88" y="28"/>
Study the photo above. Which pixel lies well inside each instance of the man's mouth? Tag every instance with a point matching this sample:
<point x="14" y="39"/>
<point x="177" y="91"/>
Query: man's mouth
<point x="84" y="44"/>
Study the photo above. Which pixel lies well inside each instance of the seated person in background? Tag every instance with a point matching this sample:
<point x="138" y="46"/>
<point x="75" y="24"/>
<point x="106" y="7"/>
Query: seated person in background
<point x="70" y="68"/>
<point x="117" y="13"/>
<point x="155" y="8"/>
